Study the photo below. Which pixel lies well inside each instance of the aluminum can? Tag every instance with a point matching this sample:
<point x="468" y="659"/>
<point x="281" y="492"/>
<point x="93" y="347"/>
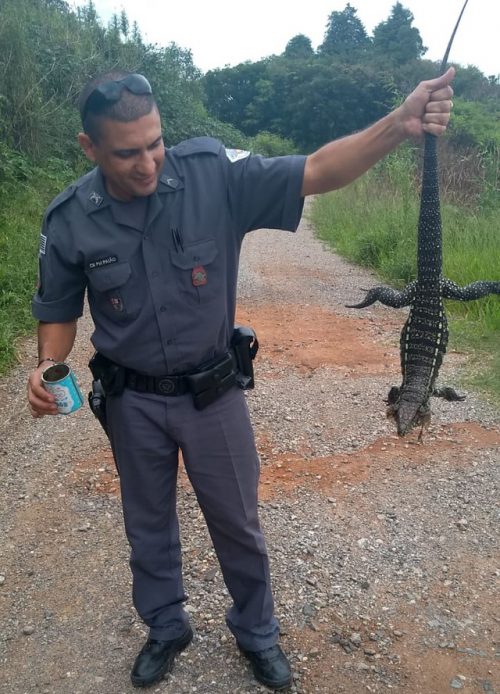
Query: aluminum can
<point x="59" y="380"/>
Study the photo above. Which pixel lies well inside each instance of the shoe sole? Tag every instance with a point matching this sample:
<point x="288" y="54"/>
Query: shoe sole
<point x="271" y="685"/>
<point x="140" y="682"/>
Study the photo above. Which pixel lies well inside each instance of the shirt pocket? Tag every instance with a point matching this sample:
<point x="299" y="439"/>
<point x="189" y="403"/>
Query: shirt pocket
<point x="198" y="277"/>
<point x="111" y="293"/>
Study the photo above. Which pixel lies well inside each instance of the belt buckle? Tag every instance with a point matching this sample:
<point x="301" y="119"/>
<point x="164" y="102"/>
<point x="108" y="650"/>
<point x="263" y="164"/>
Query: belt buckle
<point x="167" y="386"/>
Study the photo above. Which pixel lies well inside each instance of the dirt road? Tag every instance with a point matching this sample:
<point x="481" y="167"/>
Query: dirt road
<point x="384" y="552"/>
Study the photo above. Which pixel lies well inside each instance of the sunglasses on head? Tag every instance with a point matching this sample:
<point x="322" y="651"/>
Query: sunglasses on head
<point x="110" y="92"/>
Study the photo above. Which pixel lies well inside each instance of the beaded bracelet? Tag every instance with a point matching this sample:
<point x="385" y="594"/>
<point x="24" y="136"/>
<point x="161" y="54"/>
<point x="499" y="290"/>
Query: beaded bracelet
<point x="47" y="359"/>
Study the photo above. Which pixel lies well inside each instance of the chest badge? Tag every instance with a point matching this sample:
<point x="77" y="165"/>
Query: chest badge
<point x="116" y="303"/>
<point x="199" y="276"/>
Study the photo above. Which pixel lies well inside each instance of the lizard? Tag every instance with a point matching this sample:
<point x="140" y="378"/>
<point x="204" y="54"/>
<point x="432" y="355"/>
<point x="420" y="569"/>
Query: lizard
<point x="424" y="336"/>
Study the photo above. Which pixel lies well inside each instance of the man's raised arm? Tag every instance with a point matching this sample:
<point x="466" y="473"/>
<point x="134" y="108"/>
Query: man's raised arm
<point x="426" y="109"/>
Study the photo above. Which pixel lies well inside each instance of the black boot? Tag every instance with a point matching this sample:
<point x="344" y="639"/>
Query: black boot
<point x="270" y="666"/>
<point x="157" y="658"/>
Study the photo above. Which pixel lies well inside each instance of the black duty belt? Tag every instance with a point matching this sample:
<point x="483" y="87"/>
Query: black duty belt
<point x="207" y="383"/>
<point x="215" y="376"/>
<point x="160" y="385"/>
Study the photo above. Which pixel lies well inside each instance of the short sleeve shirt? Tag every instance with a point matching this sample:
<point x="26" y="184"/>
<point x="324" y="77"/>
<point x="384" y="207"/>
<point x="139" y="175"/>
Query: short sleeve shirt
<point x="161" y="275"/>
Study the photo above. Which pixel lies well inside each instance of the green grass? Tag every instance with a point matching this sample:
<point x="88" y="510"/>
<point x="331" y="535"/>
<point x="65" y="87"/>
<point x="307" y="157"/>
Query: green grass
<point x="21" y="211"/>
<point x="19" y="234"/>
<point x="373" y="223"/>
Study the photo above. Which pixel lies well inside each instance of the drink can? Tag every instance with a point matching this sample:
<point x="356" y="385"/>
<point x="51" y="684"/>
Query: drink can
<point x="59" y="380"/>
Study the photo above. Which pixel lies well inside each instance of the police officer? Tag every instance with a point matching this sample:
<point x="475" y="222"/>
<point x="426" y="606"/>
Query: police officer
<point x="154" y="236"/>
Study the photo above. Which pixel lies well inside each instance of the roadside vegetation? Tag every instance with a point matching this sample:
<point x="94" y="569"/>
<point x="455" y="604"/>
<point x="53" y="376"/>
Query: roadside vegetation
<point x="292" y="102"/>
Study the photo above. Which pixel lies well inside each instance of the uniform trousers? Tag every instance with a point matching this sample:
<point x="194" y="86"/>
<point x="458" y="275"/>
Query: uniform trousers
<point x="220" y="458"/>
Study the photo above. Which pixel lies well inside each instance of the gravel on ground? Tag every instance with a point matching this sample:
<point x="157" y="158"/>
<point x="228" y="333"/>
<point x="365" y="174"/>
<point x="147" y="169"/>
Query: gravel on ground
<point x="384" y="551"/>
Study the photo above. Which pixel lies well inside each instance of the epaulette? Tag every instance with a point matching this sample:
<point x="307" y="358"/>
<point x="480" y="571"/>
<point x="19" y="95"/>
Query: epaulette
<point x="197" y="145"/>
<point x="61" y="198"/>
<point x="69" y="192"/>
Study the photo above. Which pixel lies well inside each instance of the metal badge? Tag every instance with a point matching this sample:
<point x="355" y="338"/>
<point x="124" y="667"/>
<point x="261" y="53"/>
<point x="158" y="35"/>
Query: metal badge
<point x="96" y="198"/>
<point x="199" y="276"/>
<point x="116" y="303"/>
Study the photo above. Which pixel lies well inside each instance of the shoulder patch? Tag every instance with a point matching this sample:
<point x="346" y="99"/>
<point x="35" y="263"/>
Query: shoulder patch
<point x="236" y="154"/>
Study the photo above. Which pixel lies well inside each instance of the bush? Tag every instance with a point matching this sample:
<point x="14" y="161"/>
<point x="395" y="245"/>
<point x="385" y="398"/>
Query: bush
<point x="271" y="145"/>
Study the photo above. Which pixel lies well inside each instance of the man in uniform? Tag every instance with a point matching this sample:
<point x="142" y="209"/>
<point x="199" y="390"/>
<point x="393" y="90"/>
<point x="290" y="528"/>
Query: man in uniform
<point x="154" y="235"/>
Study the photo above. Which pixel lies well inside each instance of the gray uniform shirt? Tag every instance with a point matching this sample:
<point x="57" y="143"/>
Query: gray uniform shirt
<point x="161" y="272"/>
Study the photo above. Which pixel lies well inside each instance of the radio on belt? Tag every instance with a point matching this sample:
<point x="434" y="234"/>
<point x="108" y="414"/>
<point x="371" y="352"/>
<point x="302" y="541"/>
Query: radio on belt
<point x="59" y="380"/>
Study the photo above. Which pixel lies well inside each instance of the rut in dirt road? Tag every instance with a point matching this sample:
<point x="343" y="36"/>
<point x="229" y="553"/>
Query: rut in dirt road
<point x="384" y="553"/>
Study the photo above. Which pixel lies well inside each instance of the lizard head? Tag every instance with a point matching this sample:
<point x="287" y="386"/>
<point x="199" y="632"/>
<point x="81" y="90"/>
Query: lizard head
<point x="406" y="413"/>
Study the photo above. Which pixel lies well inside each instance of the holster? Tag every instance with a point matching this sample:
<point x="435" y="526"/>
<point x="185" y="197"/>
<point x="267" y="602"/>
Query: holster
<point x="244" y="345"/>
<point x="111" y="375"/>
<point x="97" y="403"/>
<point x="109" y="379"/>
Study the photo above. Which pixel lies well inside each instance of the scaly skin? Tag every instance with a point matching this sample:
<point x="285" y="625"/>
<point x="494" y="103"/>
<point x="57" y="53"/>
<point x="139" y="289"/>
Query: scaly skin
<point x="425" y="334"/>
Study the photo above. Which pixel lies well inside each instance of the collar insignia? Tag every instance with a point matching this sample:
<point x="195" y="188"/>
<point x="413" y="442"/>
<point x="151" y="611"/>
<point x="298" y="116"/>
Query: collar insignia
<point x="96" y="198"/>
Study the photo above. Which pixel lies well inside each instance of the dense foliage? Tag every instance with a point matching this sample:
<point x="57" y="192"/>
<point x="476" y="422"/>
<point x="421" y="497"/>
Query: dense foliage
<point x="48" y="52"/>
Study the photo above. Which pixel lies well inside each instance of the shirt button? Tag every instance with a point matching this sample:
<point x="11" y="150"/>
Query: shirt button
<point x="170" y="342"/>
<point x="155" y="274"/>
<point x="146" y="237"/>
<point x="163" y="309"/>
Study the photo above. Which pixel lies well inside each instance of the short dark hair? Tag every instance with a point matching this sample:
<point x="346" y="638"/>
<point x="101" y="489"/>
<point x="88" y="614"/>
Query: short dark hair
<point x="128" y="108"/>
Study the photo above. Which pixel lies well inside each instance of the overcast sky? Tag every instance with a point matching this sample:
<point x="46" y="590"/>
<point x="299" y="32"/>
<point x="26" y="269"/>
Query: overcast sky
<point x="228" y="32"/>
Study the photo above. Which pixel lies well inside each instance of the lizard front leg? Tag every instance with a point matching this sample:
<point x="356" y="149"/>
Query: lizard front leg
<point x="474" y="290"/>
<point x="388" y="297"/>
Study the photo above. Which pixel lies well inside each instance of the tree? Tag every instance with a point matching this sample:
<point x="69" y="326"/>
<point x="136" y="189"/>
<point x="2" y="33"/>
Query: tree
<point x="136" y="34"/>
<point x="230" y="91"/>
<point x="124" y="23"/>
<point x="318" y="101"/>
<point x="114" y="28"/>
<point x="396" y="41"/>
<point x="299" y="46"/>
<point x="473" y="85"/>
<point x="60" y="5"/>
<point x="88" y="14"/>
<point x="345" y="36"/>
